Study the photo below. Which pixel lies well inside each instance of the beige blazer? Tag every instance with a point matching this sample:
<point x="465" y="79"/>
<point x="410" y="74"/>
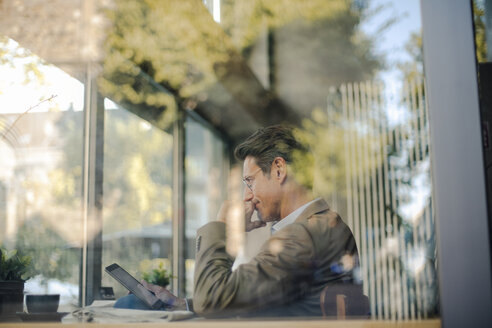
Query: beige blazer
<point x="285" y="278"/>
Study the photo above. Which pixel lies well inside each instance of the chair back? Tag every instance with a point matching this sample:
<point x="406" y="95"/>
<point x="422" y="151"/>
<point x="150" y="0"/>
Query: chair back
<point x="342" y="301"/>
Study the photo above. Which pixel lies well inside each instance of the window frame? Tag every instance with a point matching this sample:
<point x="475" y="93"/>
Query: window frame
<point x="458" y="167"/>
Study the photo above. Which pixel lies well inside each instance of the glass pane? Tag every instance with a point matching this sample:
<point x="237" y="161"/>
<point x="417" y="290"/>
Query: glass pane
<point x="348" y="75"/>
<point x="137" y="210"/>
<point x="205" y="164"/>
<point x="41" y="122"/>
<point x="353" y="73"/>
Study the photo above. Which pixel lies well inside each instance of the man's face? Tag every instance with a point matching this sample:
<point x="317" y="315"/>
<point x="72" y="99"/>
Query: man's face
<point x="262" y="191"/>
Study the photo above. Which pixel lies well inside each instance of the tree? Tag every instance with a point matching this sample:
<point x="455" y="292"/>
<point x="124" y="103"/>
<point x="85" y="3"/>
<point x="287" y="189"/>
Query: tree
<point x="11" y="54"/>
<point x="480" y="36"/>
<point x="161" y="52"/>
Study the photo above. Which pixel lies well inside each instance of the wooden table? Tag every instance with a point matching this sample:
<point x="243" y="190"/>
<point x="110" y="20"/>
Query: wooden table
<point x="435" y="323"/>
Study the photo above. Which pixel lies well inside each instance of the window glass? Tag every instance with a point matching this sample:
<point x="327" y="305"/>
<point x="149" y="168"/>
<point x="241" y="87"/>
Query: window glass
<point x="137" y="189"/>
<point x="41" y="122"/>
<point x="347" y="74"/>
<point x="352" y="72"/>
<point x="205" y="164"/>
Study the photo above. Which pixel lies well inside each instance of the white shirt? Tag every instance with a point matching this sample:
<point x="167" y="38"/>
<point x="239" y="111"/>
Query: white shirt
<point x="289" y="219"/>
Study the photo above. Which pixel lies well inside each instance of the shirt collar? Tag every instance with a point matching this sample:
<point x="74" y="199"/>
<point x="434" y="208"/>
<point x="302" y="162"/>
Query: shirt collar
<point x="289" y="219"/>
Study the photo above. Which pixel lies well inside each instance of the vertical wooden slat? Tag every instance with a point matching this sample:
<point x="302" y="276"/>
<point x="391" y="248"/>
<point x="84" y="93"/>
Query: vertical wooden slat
<point x="399" y="142"/>
<point x="415" y="157"/>
<point x="375" y="192"/>
<point x="428" y="223"/>
<point x="360" y="191"/>
<point x="366" y="136"/>
<point x="401" y="133"/>
<point x="423" y="226"/>
<point x="346" y="138"/>
<point x="377" y="227"/>
<point x="414" y="171"/>
<point x="407" y="136"/>
<point x="425" y="137"/>
<point x="379" y="202"/>
<point x="379" y="121"/>
<point x="353" y="166"/>
<point x="396" y="231"/>
<point x="391" y="302"/>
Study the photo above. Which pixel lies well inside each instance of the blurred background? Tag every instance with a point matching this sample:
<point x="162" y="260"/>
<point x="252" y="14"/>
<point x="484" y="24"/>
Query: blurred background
<point x="118" y="119"/>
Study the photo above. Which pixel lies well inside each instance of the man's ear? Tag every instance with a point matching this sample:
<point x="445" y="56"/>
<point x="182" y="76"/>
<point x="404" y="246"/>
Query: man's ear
<point x="279" y="169"/>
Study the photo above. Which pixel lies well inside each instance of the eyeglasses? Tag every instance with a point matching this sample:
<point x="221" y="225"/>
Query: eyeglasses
<point x="248" y="181"/>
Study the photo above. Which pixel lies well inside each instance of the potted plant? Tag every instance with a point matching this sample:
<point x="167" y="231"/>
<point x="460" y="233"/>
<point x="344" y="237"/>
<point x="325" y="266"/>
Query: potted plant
<point x="15" y="269"/>
<point x="158" y="276"/>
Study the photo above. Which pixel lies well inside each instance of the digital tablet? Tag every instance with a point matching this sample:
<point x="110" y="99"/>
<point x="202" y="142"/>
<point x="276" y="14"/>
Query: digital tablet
<point x="134" y="286"/>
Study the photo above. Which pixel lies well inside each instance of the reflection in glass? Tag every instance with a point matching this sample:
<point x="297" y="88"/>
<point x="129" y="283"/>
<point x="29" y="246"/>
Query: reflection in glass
<point x="343" y="69"/>
<point x="137" y="210"/>
<point x="371" y="144"/>
<point x="41" y="168"/>
<point x="205" y="164"/>
<point x="348" y="74"/>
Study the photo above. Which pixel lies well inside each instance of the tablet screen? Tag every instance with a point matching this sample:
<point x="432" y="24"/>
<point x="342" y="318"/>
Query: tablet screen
<point x="130" y="283"/>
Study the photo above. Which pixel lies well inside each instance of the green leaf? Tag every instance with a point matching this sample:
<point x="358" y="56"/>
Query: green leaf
<point x="158" y="276"/>
<point x="14" y="266"/>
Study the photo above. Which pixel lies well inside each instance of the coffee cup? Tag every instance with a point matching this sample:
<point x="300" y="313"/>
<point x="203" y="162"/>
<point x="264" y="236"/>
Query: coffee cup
<point x="47" y="303"/>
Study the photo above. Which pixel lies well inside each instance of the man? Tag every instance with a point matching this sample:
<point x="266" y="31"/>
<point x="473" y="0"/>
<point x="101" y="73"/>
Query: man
<point x="310" y="247"/>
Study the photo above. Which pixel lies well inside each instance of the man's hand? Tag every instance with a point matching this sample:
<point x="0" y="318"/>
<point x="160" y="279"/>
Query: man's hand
<point x="249" y="209"/>
<point x="175" y="303"/>
<point x="227" y="210"/>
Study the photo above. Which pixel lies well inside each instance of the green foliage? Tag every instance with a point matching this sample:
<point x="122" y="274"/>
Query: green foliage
<point x="52" y="257"/>
<point x="324" y="134"/>
<point x="137" y="175"/>
<point x="177" y="45"/>
<point x="158" y="276"/>
<point x="480" y="36"/>
<point x="14" y="266"/>
<point x="11" y="55"/>
<point x="278" y="13"/>
<point x="413" y="69"/>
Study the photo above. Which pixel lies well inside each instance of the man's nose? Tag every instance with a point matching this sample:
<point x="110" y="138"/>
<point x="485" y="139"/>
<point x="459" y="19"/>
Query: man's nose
<point x="248" y="194"/>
